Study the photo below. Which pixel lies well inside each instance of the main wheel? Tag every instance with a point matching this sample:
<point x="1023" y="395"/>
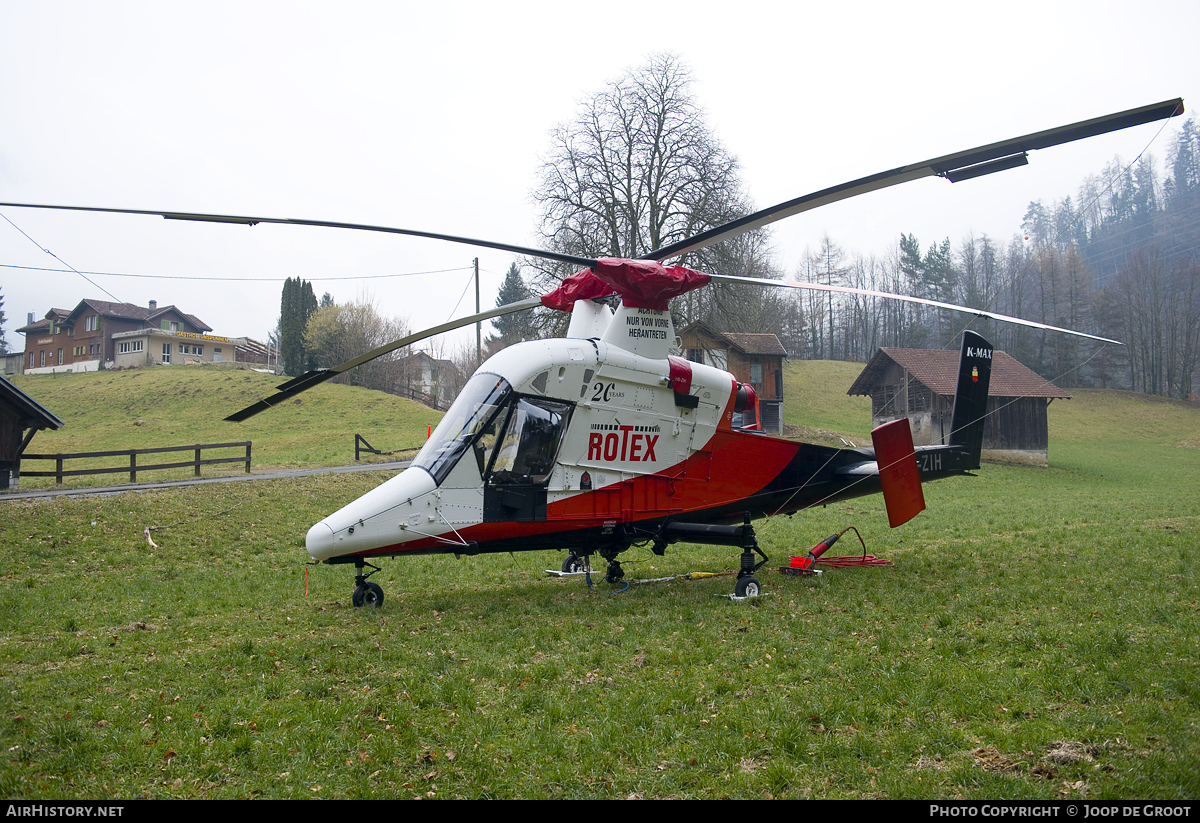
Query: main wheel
<point x="746" y="587"/>
<point x="368" y="594"/>
<point x="572" y="564"/>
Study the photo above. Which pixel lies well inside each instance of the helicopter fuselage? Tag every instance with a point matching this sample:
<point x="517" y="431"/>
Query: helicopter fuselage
<point x="581" y="444"/>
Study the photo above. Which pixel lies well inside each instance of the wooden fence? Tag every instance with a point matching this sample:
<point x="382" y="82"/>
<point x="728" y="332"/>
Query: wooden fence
<point x="133" y="467"/>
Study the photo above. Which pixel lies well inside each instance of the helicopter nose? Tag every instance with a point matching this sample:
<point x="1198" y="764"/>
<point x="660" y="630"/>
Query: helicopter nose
<point x="319" y="541"/>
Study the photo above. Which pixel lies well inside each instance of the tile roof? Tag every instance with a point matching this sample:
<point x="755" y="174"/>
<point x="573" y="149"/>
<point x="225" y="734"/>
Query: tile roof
<point x="939" y="371"/>
<point x="754" y="344"/>
<point x="757" y="343"/>
<point x="128" y="311"/>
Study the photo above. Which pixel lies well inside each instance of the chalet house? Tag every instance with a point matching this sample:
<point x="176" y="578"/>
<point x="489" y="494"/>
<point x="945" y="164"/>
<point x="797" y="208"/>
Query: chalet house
<point x="430" y="381"/>
<point x="101" y="334"/>
<point x="82" y="339"/>
<point x="756" y="359"/>
<point x="919" y="384"/>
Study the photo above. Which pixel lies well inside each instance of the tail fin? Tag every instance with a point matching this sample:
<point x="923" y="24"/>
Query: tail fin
<point x="970" y="396"/>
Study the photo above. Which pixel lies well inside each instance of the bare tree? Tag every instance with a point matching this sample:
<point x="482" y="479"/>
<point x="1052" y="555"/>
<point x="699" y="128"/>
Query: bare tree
<point x="335" y="334"/>
<point x="638" y="169"/>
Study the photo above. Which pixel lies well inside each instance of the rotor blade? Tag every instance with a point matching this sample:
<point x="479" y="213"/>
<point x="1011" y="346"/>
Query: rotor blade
<point x="309" y="379"/>
<point x="585" y="262"/>
<point x="962" y="165"/>
<point x="791" y="284"/>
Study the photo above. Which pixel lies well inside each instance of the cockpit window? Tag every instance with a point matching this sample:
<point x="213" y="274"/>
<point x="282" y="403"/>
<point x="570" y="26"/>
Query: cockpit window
<point x="471" y="418"/>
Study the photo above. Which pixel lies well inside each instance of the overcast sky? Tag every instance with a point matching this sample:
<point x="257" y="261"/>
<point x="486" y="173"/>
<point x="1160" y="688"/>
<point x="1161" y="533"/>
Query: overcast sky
<point x="404" y="114"/>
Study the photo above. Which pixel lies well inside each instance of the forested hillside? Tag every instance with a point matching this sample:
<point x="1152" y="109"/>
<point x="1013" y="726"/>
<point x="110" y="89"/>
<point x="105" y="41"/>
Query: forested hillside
<point x="1119" y="258"/>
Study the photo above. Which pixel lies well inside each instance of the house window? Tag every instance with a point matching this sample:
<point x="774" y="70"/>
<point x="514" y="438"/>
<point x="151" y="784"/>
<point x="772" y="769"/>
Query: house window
<point x="166" y="358"/>
<point x="165" y="325"/>
<point x="174" y="326"/>
<point x="91" y="323"/>
<point x="31" y="356"/>
<point x="60" y="360"/>
<point x="756" y="375"/>
<point x="42" y="359"/>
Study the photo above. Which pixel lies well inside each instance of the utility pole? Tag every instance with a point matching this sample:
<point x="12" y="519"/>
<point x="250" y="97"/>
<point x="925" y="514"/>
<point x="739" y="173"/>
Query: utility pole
<point x="478" y="324"/>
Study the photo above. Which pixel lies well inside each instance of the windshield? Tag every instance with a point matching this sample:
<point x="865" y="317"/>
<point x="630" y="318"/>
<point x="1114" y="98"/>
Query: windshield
<point x="471" y="416"/>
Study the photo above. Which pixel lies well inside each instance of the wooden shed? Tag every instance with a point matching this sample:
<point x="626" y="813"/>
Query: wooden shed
<point x="919" y="384"/>
<point x="756" y="359"/>
<point x="21" y="417"/>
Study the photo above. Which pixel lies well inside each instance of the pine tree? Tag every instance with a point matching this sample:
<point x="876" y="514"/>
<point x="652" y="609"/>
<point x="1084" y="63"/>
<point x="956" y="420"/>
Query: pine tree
<point x="512" y="328"/>
<point x="296" y="306"/>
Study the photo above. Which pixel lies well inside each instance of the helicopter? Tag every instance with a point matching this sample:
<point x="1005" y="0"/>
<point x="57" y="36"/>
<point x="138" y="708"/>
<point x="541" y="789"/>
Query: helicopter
<point x="604" y="440"/>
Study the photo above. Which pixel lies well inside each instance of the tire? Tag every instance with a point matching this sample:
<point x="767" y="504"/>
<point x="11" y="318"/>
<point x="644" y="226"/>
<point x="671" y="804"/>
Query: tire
<point x="747" y="587"/>
<point x="369" y="594"/>
<point x="572" y="564"/>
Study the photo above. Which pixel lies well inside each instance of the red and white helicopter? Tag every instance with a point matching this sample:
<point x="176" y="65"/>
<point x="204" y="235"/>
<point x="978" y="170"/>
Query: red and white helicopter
<point x="603" y="440"/>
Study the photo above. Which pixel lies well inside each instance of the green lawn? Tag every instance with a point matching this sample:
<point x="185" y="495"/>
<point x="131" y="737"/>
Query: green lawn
<point x="1038" y="636"/>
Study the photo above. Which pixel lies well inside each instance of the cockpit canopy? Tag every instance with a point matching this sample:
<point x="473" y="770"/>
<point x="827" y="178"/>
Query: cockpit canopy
<point x="515" y="438"/>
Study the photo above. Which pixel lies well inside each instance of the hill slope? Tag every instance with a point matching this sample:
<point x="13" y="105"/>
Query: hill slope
<point x="148" y="408"/>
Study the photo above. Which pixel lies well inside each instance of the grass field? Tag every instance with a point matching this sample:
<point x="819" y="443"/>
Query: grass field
<point x="152" y="408"/>
<point x="1037" y="637"/>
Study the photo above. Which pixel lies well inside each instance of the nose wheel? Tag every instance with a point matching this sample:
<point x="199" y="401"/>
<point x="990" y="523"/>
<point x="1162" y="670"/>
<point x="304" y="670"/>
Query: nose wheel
<point x="366" y="593"/>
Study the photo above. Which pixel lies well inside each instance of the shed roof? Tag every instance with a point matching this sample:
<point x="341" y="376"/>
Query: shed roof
<point x="752" y="344"/>
<point x="33" y="415"/>
<point x="938" y="370"/>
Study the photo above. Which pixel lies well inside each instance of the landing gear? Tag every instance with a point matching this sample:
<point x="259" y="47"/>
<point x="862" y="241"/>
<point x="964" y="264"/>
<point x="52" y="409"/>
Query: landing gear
<point x="365" y="593"/>
<point x="742" y="536"/>
<point x="368" y="595"/>
<point x="615" y="574"/>
<point x="573" y="564"/>
<point x="747" y="584"/>
<point x="746" y="587"/>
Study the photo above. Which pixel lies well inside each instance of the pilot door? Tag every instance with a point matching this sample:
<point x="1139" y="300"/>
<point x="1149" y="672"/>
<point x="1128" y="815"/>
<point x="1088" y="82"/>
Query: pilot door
<point x="517" y="459"/>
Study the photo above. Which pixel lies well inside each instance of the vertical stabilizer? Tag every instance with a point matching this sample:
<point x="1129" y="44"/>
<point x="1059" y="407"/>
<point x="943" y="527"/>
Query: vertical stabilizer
<point x="898" y="472"/>
<point x="970" y="395"/>
<point x="589" y="319"/>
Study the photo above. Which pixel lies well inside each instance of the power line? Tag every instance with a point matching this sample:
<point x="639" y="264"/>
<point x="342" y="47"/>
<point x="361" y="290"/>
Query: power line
<point x="59" y="259"/>
<point x="220" y="279"/>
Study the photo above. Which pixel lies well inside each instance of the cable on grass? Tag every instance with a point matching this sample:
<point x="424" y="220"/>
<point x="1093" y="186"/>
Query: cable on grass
<point x="149" y="529"/>
<point x="841" y="562"/>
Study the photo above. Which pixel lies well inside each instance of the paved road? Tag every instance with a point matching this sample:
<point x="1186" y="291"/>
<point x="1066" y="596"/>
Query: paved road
<point x="196" y="481"/>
